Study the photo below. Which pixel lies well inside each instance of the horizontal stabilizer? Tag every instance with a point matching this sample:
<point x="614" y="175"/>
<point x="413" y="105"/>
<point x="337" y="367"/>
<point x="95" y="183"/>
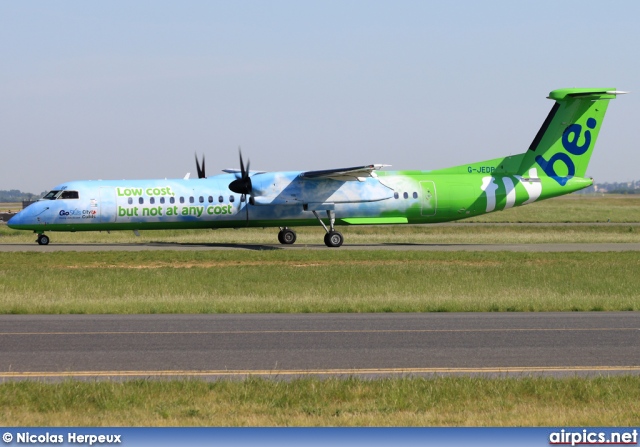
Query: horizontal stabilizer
<point x="574" y="93"/>
<point x="344" y="174"/>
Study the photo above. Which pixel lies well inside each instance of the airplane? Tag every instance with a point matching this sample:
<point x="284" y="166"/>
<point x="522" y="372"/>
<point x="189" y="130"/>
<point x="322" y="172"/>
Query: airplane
<point x="554" y="164"/>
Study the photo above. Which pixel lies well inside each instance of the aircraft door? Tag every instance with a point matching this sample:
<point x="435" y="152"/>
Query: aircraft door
<point x="429" y="199"/>
<point x="107" y="204"/>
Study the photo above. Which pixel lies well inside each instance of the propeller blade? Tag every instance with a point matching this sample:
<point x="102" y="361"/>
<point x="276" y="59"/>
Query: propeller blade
<point x="241" y="164"/>
<point x="201" y="173"/>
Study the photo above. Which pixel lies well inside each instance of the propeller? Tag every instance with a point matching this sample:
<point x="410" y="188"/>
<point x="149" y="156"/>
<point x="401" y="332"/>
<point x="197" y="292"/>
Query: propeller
<point x="242" y="183"/>
<point x="200" y="170"/>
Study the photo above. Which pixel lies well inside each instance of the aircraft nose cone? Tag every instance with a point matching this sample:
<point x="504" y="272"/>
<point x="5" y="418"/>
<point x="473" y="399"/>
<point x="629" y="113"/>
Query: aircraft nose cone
<point x="15" y="220"/>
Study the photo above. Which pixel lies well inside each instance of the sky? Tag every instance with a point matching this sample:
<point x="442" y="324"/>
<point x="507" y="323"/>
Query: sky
<point x="126" y="90"/>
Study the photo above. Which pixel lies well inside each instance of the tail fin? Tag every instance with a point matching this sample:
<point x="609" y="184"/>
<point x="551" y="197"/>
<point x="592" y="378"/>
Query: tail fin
<point x="563" y="145"/>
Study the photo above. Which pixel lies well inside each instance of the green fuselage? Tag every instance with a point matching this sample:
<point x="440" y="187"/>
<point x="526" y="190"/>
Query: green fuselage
<point x="400" y="197"/>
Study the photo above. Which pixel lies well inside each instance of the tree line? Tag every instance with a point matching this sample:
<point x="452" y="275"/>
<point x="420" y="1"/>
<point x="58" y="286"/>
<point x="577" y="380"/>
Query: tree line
<point x="15" y="195"/>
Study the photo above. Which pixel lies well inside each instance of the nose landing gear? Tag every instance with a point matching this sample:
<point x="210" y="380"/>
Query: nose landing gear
<point x="43" y="239"/>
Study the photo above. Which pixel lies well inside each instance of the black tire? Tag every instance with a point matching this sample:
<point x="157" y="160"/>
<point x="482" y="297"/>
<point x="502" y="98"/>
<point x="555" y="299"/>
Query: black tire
<point x="333" y="239"/>
<point x="43" y="239"/>
<point x="280" y="237"/>
<point x="288" y="237"/>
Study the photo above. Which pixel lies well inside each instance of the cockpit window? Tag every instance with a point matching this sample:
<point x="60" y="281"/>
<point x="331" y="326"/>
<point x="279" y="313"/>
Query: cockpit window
<point x="51" y="195"/>
<point x="69" y="195"/>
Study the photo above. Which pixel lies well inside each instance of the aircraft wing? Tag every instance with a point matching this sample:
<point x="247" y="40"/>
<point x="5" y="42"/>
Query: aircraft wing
<point x="238" y="171"/>
<point x="344" y="174"/>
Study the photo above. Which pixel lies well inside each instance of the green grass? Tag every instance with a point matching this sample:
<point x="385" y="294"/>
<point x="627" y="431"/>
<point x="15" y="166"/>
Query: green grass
<point x="573" y="208"/>
<point x="466" y="401"/>
<point x="316" y="281"/>
<point x="403" y="234"/>
<point x="335" y="281"/>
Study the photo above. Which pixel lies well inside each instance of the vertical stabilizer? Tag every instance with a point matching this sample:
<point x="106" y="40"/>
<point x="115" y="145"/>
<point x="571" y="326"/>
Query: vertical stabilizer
<point x="562" y="147"/>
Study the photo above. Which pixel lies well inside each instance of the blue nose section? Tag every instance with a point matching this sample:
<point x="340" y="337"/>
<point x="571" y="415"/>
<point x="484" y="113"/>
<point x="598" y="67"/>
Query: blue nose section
<point x="15" y="220"/>
<point x="24" y="219"/>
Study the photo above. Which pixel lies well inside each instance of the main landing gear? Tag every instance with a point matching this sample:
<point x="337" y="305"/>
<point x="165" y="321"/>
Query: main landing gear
<point x="333" y="238"/>
<point x="43" y="239"/>
<point x="286" y="236"/>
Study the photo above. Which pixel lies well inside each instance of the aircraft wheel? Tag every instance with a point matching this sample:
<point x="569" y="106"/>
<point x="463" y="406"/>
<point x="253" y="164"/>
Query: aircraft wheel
<point x="43" y="239"/>
<point x="333" y="239"/>
<point x="287" y="236"/>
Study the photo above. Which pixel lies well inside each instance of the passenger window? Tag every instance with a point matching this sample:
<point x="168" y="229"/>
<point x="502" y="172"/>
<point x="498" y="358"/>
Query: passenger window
<point x="396" y="195"/>
<point x="210" y="199"/>
<point x="140" y="200"/>
<point x="181" y="199"/>
<point x="232" y="199"/>
<point x="415" y="195"/>
<point x="152" y="200"/>
<point x="162" y="200"/>
<point x="243" y="198"/>
<point x="191" y="199"/>
<point x="172" y="200"/>
<point x="69" y="195"/>
<point x="405" y="195"/>
<point x="130" y="201"/>
<point x="201" y="199"/>
<point x="220" y="199"/>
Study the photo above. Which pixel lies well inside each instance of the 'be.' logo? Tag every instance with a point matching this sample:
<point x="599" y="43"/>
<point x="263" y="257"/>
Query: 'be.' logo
<point x="570" y="142"/>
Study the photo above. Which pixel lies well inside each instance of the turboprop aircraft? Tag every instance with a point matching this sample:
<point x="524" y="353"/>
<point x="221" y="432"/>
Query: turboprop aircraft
<point x="555" y="164"/>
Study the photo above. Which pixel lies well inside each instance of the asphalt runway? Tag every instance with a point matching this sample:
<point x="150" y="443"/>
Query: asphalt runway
<point x="596" y="247"/>
<point x="117" y="347"/>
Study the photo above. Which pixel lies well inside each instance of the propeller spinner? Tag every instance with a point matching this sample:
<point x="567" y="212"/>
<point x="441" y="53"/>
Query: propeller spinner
<point x="242" y="184"/>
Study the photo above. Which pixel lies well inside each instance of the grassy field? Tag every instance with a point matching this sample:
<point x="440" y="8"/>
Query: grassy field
<point x="466" y="401"/>
<point x="6" y="207"/>
<point x="316" y="281"/>
<point x="335" y="281"/>
<point x="407" y="234"/>
<point x="573" y="208"/>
